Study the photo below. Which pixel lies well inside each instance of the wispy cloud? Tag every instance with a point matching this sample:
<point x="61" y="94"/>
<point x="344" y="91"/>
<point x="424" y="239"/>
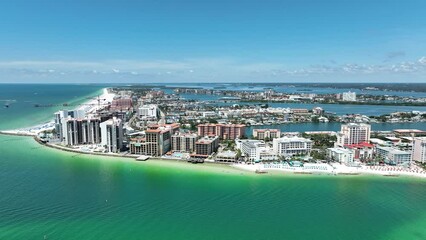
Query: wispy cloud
<point x="394" y="55"/>
<point x="214" y="69"/>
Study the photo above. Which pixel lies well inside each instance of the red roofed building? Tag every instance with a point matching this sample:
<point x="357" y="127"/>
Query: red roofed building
<point x="157" y="141"/>
<point x="361" y="151"/>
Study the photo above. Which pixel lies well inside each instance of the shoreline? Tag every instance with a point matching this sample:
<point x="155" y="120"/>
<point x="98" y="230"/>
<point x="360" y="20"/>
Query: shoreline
<point x="334" y="169"/>
<point x="251" y="169"/>
<point x="92" y="105"/>
<point x="88" y="107"/>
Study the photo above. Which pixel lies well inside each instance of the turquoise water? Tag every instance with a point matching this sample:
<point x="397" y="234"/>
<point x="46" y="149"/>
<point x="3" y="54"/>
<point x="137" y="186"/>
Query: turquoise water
<point x="50" y="194"/>
<point x="22" y="98"/>
<point x="339" y="109"/>
<point x="333" y="126"/>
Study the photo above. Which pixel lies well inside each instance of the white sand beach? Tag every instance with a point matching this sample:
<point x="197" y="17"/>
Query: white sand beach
<point x="88" y="107"/>
<point x="335" y="169"/>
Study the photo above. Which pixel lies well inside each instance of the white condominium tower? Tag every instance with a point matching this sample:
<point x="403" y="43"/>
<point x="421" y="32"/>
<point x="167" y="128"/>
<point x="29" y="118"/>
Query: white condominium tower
<point x="112" y="134"/>
<point x="79" y="131"/>
<point x="353" y="133"/>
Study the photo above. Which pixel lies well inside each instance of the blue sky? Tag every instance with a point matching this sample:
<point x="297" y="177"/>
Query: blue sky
<point x="212" y="41"/>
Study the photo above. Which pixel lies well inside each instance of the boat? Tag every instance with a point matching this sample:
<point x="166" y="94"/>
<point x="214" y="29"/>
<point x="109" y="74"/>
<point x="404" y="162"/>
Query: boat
<point x="349" y="173"/>
<point x="302" y="172"/>
<point x="142" y="158"/>
<point x="259" y="171"/>
<point x="391" y="175"/>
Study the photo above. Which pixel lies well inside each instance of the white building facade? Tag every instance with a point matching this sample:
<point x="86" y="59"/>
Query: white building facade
<point x="393" y="155"/>
<point x="340" y="155"/>
<point x="349" y="96"/>
<point x="112" y="135"/>
<point x="289" y="146"/>
<point x="148" y="111"/>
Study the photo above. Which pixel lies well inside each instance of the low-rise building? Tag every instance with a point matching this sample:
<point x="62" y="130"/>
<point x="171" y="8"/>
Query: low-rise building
<point x="263" y="134"/>
<point x="361" y="151"/>
<point x="393" y="155"/>
<point x="226" y="156"/>
<point x="340" y="155"/>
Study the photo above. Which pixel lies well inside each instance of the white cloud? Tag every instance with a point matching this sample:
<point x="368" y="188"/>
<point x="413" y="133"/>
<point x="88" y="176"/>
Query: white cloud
<point x="220" y="69"/>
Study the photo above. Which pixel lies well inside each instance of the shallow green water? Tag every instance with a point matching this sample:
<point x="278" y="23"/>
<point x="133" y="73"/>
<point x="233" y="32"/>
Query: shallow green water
<point x="50" y="194"/>
<point x="22" y="98"/>
<point x="68" y="196"/>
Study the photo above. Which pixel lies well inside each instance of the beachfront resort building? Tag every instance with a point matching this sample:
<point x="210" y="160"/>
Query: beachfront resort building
<point x="158" y="138"/>
<point x="263" y="134"/>
<point x="206" y="146"/>
<point x="137" y="145"/>
<point x="226" y="156"/>
<point x="112" y="135"/>
<point x="419" y="149"/>
<point x="156" y="142"/>
<point x="251" y="148"/>
<point x="340" y="155"/>
<point x="353" y="133"/>
<point x="393" y="156"/>
<point x="184" y="142"/>
<point x="289" y="146"/>
<point x="223" y="131"/>
<point x="255" y="150"/>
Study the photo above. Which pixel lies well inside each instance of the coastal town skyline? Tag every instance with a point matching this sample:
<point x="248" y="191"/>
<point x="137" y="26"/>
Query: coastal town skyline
<point x="213" y="41"/>
<point x="213" y="119"/>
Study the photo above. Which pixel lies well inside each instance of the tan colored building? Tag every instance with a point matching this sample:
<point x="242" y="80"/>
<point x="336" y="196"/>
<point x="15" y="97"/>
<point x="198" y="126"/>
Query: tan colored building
<point x="205" y="146"/>
<point x="157" y="141"/>
<point x="223" y="131"/>
<point x="184" y="142"/>
<point x="263" y="134"/>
